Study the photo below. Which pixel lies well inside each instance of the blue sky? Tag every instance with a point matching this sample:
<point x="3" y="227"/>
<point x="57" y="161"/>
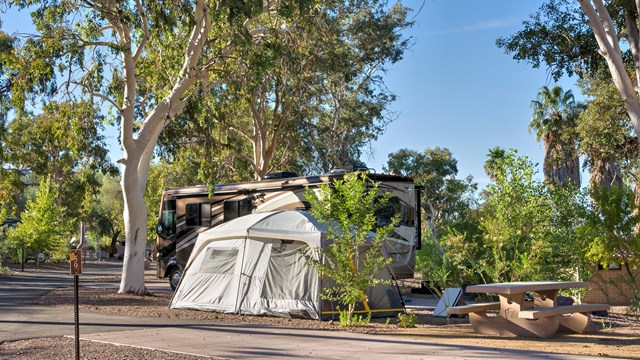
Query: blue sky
<point x="455" y="88"/>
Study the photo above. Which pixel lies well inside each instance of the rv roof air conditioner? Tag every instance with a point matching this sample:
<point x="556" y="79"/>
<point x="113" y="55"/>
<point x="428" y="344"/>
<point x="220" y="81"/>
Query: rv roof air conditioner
<point x="349" y="169"/>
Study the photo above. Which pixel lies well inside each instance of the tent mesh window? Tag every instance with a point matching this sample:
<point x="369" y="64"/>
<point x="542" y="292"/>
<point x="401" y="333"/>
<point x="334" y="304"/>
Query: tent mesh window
<point x="289" y="276"/>
<point x="219" y="261"/>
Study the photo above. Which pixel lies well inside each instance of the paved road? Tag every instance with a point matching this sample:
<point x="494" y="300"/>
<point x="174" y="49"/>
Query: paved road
<point x="20" y="289"/>
<point x="19" y="320"/>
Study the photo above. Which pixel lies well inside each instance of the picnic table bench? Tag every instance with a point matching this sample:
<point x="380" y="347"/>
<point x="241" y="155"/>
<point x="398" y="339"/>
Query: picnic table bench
<point x="473" y="308"/>
<point x="522" y="316"/>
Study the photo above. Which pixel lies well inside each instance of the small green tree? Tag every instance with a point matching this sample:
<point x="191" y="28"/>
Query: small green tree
<point x="515" y="221"/>
<point x="43" y="227"/>
<point x="353" y="259"/>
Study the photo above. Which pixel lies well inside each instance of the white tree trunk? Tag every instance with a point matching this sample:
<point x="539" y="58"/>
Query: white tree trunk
<point x="138" y="149"/>
<point x="135" y="223"/>
<point x="607" y="38"/>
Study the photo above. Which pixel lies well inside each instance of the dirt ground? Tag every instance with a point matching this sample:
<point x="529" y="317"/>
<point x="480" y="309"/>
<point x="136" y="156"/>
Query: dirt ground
<point x="617" y="335"/>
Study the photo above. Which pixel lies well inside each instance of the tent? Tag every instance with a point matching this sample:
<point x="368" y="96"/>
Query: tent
<point x="256" y="264"/>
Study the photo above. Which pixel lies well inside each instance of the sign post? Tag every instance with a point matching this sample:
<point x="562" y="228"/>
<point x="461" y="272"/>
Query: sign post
<point x="75" y="264"/>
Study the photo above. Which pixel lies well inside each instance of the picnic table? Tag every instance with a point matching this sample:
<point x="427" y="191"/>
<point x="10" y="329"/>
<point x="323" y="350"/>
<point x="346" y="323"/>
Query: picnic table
<point x="519" y="314"/>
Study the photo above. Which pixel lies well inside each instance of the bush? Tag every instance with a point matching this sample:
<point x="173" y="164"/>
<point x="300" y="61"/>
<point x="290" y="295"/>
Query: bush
<point x="347" y="320"/>
<point x="4" y="271"/>
<point x="451" y="262"/>
<point x="407" y="320"/>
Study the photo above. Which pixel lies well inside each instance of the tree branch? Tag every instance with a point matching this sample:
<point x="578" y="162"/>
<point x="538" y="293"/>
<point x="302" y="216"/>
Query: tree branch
<point x="242" y="132"/>
<point x="152" y="127"/>
<point x="634" y="42"/>
<point x="602" y="27"/>
<point x="145" y="31"/>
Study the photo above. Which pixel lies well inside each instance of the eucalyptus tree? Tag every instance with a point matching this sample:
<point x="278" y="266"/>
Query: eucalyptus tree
<point x="321" y="83"/>
<point x="62" y="144"/>
<point x="553" y="120"/>
<point x="354" y="101"/>
<point x="145" y="61"/>
<point x="557" y="37"/>
<point x="582" y="37"/>
<point x="608" y="34"/>
<point x="10" y="183"/>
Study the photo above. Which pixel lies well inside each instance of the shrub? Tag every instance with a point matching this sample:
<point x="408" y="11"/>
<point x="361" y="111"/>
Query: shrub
<point x="353" y="320"/>
<point x="407" y="320"/>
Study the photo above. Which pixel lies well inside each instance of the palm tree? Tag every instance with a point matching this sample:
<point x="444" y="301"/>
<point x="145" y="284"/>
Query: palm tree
<point x="495" y="154"/>
<point x="553" y="120"/>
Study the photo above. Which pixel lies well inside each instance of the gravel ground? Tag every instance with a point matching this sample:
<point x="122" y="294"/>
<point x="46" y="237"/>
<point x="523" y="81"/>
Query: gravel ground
<point x="62" y="348"/>
<point x="617" y="335"/>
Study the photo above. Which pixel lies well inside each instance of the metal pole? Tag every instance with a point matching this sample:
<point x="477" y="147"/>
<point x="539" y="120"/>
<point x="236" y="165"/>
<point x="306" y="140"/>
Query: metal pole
<point x="23" y="256"/>
<point x="76" y="317"/>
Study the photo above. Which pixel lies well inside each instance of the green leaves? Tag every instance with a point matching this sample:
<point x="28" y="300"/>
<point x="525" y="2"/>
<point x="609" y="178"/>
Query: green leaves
<point x="61" y="144"/>
<point x="353" y="259"/>
<point x="313" y="74"/>
<point x="554" y="121"/>
<point x="611" y="223"/>
<point x="557" y="37"/>
<point x="45" y="225"/>
<point x="514" y="218"/>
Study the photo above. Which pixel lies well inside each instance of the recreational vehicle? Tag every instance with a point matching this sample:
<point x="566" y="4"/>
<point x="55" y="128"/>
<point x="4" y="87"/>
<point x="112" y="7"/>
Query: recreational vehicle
<point x="187" y="212"/>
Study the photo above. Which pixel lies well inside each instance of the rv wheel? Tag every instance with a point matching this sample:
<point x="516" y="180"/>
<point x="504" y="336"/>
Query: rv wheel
<point x="174" y="278"/>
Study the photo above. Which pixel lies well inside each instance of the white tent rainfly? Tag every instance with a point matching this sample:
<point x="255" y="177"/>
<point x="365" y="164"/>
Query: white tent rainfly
<point x="256" y="265"/>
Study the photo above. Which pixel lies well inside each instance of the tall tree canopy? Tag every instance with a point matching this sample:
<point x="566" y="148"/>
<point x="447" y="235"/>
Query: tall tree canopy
<point x="62" y="144"/>
<point x="320" y="82"/>
<point x="609" y="31"/>
<point x="605" y="133"/>
<point x="10" y="183"/>
<point x="558" y="37"/>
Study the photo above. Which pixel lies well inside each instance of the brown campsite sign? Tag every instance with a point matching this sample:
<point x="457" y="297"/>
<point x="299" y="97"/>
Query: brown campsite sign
<point x="75" y="261"/>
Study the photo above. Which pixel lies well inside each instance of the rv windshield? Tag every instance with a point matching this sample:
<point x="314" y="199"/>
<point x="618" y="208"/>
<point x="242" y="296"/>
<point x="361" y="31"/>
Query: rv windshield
<point x="394" y="206"/>
<point x="167" y="221"/>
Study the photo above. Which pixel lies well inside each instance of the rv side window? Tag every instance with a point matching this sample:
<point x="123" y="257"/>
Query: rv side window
<point x="192" y="214"/>
<point x="198" y="214"/>
<point x="205" y="214"/>
<point x="236" y="208"/>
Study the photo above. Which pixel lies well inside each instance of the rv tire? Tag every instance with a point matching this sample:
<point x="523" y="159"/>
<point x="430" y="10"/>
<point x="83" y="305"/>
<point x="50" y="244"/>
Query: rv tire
<point x="174" y="278"/>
